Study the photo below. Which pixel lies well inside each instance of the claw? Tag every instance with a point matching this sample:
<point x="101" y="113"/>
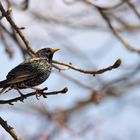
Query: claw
<point x="44" y="96"/>
<point x="39" y="92"/>
<point x="45" y="88"/>
<point x="37" y="96"/>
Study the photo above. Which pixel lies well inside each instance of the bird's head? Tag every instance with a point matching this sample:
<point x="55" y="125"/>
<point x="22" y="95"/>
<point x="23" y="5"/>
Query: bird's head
<point x="46" y="53"/>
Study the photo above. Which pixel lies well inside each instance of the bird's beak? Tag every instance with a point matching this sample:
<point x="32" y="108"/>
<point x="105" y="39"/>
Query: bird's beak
<point x="55" y="50"/>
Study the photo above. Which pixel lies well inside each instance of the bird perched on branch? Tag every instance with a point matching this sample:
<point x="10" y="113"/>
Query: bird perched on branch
<point x="31" y="72"/>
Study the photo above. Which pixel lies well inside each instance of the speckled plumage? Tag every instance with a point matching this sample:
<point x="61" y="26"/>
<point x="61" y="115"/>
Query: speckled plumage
<point x="31" y="72"/>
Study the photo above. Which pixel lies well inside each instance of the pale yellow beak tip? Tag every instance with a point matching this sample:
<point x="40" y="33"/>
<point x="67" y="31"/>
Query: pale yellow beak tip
<point x="55" y="50"/>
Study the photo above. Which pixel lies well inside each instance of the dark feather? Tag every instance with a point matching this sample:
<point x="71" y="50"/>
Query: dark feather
<point x="22" y="72"/>
<point x="3" y="83"/>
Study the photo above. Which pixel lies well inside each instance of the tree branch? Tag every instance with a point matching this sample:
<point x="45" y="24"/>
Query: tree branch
<point x="132" y="6"/>
<point x="16" y="28"/>
<point x="115" y="32"/>
<point x="9" y="129"/>
<point x="21" y="98"/>
<point x="114" y="66"/>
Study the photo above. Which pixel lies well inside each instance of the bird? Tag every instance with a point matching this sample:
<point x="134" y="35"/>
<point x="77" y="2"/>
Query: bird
<point x="30" y="73"/>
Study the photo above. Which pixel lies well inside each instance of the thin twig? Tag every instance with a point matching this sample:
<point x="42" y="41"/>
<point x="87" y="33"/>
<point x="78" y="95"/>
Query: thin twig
<point x="114" y="66"/>
<point x="115" y="32"/>
<point x="21" y="98"/>
<point x="77" y="82"/>
<point x="14" y="37"/>
<point x="110" y="9"/>
<point x="132" y="6"/>
<point x="25" y="5"/>
<point x="8" y="49"/>
<point x="17" y="29"/>
<point x="9" y="129"/>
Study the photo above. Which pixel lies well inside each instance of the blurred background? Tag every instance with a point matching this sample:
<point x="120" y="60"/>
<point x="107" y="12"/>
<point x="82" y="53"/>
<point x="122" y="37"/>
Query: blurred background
<point x="92" y="34"/>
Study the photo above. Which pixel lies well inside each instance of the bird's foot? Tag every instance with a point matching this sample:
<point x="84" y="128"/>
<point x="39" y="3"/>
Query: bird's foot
<point x="40" y="92"/>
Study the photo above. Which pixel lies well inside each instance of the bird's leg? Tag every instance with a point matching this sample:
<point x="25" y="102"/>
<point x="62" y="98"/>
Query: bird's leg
<point x="17" y="89"/>
<point x="19" y="92"/>
<point x="22" y="95"/>
<point x="39" y="91"/>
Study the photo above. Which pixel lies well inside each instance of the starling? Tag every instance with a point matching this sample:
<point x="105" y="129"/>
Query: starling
<point x="31" y="72"/>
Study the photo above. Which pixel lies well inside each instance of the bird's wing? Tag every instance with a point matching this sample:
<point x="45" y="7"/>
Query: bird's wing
<point x="22" y="72"/>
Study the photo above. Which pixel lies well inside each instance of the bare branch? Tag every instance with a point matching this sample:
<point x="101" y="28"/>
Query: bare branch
<point x="17" y="29"/>
<point x="114" y="66"/>
<point x="25" y="5"/>
<point x="132" y="6"/>
<point x="115" y="32"/>
<point x="9" y="129"/>
<point x="8" y="49"/>
<point x="21" y="98"/>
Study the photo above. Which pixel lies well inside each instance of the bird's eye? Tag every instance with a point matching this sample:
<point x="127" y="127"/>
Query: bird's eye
<point x="48" y="52"/>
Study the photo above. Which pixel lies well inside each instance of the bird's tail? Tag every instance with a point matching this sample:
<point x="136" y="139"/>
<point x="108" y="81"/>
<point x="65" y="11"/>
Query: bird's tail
<point x="3" y="83"/>
<point x="4" y="86"/>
